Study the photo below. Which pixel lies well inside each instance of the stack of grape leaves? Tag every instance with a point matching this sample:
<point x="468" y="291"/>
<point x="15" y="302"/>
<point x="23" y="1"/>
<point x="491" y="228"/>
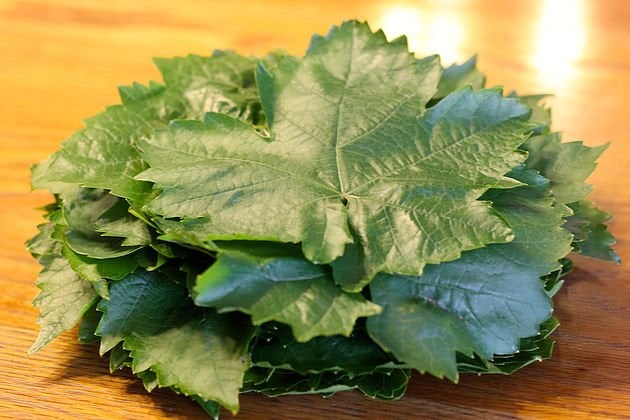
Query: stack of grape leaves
<point x="292" y="225"/>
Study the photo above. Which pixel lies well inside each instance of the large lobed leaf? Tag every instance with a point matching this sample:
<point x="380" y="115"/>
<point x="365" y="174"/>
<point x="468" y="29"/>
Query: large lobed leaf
<point x="484" y="302"/>
<point x="329" y="170"/>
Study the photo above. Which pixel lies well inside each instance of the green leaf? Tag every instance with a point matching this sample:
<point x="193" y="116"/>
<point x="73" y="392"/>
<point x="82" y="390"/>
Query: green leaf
<point x="149" y="379"/>
<point x="142" y="302"/>
<point x="276" y="382"/>
<point x="384" y="384"/>
<point x="276" y="283"/>
<point x="417" y="330"/>
<point x="62" y="301"/>
<point x="457" y="76"/>
<point x="531" y="349"/>
<point x="223" y="83"/>
<point x="118" y="358"/>
<point x="566" y="165"/>
<point x="205" y="356"/>
<point x="332" y="167"/>
<point x="117" y="222"/>
<point x="103" y="155"/>
<point x="42" y="243"/>
<point x="554" y="280"/>
<point x="276" y="347"/>
<point x="188" y="232"/>
<point x="486" y="301"/>
<point x="537" y="220"/>
<point x="211" y="408"/>
<point x="197" y="352"/>
<point x="593" y="238"/>
<point x="541" y="115"/>
<point x="87" y="327"/>
<point x="83" y="209"/>
<point x="94" y="270"/>
<point x="138" y="92"/>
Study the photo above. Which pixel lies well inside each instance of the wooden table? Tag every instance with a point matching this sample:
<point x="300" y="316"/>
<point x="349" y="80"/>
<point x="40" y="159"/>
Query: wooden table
<point x="61" y="61"/>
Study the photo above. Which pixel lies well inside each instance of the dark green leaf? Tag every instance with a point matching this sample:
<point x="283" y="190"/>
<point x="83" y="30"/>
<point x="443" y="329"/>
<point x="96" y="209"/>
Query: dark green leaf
<point x="277" y="283"/>
<point x="118" y="358"/>
<point x="276" y="347"/>
<point x="141" y="303"/>
<point x="119" y="223"/>
<point x="385" y="384"/>
<point x="87" y="327"/>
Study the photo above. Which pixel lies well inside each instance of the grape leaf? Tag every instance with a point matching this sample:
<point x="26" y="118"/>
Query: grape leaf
<point x="205" y="356"/>
<point x="223" y="83"/>
<point x="118" y="358"/>
<point x="117" y="222"/>
<point x="211" y="408"/>
<point x="327" y="170"/>
<point x="103" y="154"/>
<point x="197" y="352"/>
<point x="566" y="165"/>
<point x="531" y="349"/>
<point x="141" y="302"/>
<point x="593" y="237"/>
<point x="383" y="384"/>
<point x="457" y="76"/>
<point x="276" y="347"/>
<point x="483" y="303"/>
<point x="87" y="327"/>
<point x="83" y="209"/>
<point x="62" y="301"/>
<point x="95" y="270"/>
<point x="149" y="380"/>
<point x="541" y="114"/>
<point x="276" y="283"/>
<point x="42" y="243"/>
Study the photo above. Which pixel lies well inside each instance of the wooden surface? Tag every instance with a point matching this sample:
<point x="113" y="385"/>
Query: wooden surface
<point x="61" y="61"/>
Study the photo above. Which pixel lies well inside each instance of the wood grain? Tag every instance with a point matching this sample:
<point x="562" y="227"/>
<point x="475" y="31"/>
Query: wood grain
<point x="62" y="61"/>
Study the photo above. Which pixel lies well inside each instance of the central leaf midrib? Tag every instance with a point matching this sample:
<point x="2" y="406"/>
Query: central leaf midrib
<point x="337" y="125"/>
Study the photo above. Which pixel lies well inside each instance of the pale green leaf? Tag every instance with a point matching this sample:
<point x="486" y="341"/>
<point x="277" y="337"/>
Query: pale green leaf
<point x="566" y="165"/>
<point x="103" y="154"/>
<point x="62" y="301"/>
<point x="457" y="76"/>
<point x="205" y="356"/>
<point x="223" y="82"/>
